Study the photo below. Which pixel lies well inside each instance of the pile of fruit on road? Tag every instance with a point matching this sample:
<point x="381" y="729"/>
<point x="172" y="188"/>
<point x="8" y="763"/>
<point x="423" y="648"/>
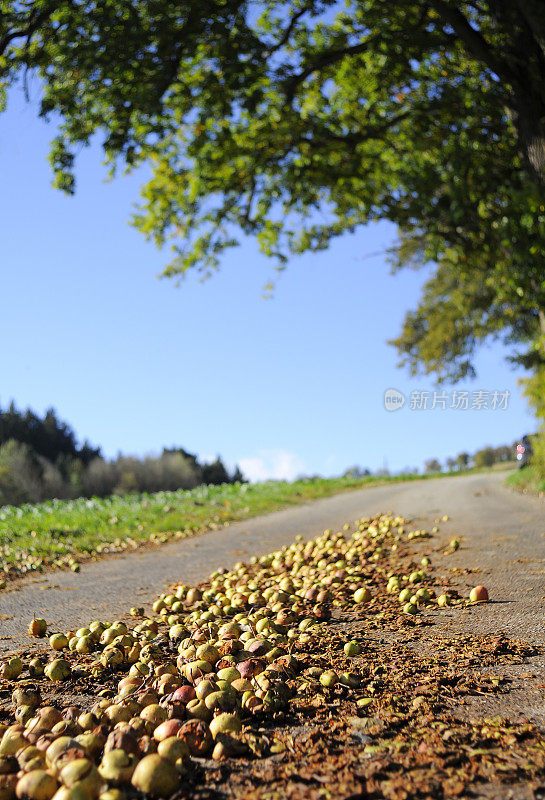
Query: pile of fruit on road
<point x="223" y="672"/>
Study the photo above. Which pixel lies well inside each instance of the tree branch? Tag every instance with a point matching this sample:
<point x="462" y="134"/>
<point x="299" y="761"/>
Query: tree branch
<point x="34" y="21"/>
<point x="328" y="57"/>
<point x="370" y="132"/>
<point x="323" y="60"/>
<point x="474" y="41"/>
<point x="289" y="30"/>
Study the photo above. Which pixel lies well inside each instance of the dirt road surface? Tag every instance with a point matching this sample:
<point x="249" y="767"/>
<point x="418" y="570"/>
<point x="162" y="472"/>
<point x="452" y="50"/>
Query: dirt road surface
<point x="502" y="535"/>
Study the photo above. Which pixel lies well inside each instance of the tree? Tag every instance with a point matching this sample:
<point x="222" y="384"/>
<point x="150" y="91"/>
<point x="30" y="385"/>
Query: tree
<point x="462" y="460"/>
<point x="432" y="465"/>
<point x="52" y="483"/>
<point x="170" y="471"/>
<point x="484" y="457"/>
<point x="215" y="473"/>
<point x="253" y="116"/>
<point x="356" y="472"/>
<point x="238" y="476"/>
<point x="489" y="283"/>
<point x="534" y="390"/>
<point x="503" y="453"/>
<point x="100" y="478"/>
<point x="190" y="457"/>
<point x="49" y="437"/>
<point x="20" y="479"/>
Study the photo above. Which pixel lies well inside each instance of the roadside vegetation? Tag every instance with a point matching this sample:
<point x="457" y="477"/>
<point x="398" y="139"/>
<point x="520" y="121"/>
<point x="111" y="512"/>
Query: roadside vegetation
<point x="41" y="459"/>
<point x="60" y="533"/>
<point x="529" y="480"/>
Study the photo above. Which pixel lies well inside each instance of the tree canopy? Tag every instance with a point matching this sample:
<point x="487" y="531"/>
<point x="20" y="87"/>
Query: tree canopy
<point x="49" y="436"/>
<point x="295" y="122"/>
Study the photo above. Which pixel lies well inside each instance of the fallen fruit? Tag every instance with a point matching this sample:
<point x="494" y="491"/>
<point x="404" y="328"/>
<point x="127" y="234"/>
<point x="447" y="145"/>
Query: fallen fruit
<point x="71" y="793"/>
<point x="352" y="649"/>
<point x="37" y="627"/>
<point x="216" y="668"/>
<point x="11" y="669"/>
<point x="156" y="775"/>
<point x="173" y="749"/>
<point x="117" y="766"/>
<point x="479" y="594"/>
<point x="362" y="595"/>
<point x="57" y="670"/>
<point x="58" y="641"/>
<point x="36" y="668"/>
<point x="36" y="785"/>
<point x="405" y="595"/>
<point x="329" y="678"/>
<point x="12" y="742"/>
<point x="83" y="773"/>
<point x="225" y="723"/>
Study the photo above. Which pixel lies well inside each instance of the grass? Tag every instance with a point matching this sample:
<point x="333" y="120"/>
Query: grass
<point x="527" y="480"/>
<point x="62" y="532"/>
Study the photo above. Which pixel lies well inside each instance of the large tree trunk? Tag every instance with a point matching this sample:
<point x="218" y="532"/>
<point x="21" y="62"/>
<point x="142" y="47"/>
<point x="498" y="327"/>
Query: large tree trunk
<point x="523" y="24"/>
<point x="531" y="132"/>
<point x="516" y="55"/>
<point x="541" y="318"/>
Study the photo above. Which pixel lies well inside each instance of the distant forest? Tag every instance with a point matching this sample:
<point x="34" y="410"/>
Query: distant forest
<point x="40" y="458"/>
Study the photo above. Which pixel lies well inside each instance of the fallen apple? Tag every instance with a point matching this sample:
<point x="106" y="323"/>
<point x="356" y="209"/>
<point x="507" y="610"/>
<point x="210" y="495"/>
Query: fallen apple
<point x="479" y="594"/>
<point x="352" y="649"/>
<point x="37" y="627"/>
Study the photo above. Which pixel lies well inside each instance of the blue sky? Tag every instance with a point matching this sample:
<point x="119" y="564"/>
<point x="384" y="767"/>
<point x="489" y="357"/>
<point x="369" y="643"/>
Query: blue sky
<point x="283" y="386"/>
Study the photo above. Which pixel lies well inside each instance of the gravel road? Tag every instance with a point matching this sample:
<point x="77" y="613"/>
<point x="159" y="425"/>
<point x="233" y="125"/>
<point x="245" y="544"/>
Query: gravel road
<point x="502" y="534"/>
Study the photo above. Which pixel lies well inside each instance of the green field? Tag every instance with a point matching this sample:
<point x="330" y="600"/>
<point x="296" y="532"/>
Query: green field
<point x="61" y="532"/>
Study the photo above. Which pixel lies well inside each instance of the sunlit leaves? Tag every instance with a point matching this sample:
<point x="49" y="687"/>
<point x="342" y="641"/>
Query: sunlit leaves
<point x="296" y="122"/>
<point x="255" y="116"/>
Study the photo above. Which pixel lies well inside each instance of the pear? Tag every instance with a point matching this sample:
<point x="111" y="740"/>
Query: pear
<point x="36" y="785"/>
<point x="156" y="776"/>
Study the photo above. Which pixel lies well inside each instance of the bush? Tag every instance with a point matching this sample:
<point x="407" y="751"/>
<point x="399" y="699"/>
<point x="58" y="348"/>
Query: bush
<point x="99" y="479"/>
<point x="52" y="481"/>
<point x="20" y="474"/>
<point x="484" y="457"/>
<point x="169" y="471"/>
<point x="538" y="454"/>
<point x="534" y="390"/>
